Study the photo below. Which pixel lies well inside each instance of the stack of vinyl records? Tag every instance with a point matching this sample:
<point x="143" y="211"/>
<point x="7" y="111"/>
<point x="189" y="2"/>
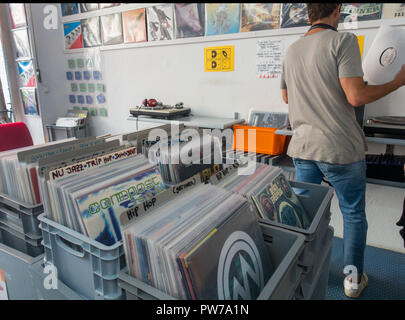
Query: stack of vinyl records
<point x="198" y="246"/>
<point x="89" y="196"/>
<point x="268" y="189"/>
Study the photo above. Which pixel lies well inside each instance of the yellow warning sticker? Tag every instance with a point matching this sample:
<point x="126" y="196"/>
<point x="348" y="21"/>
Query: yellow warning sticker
<point x="219" y="59"/>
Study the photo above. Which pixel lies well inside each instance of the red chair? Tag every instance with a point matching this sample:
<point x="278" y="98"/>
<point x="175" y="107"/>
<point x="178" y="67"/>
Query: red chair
<point x="14" y="135"/>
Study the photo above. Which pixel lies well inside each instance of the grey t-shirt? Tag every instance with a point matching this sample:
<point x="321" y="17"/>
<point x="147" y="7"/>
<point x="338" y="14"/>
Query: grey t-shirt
<point x="323" y="121"/>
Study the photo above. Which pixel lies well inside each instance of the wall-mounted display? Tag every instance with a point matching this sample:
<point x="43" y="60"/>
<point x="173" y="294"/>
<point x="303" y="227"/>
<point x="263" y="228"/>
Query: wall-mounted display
<point x="22" y="44"/>
<point x="91" y="32"/>
<point x="134" y="25"/>
<point x="86" y="7"/>
<point x="30" y="101"/>
<point x="260" y="16"/>
<point x="111" y="29"/>
<point x="160" y="22"/>
<point x="393" y="10"/>
<point x="222" y="18"/>
<point x="360" y="11"/>
<point x="294" y="15"/>
<point x="17" y="15"/>
<point x="69" y="8"/>
<point x="73" y="35"/>
<point x="26" y="74"/>
<point x="190" y="19"/>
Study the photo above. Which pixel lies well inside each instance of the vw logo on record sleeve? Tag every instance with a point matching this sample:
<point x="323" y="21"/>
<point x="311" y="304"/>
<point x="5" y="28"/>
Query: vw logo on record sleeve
<point x="240" y="270"/>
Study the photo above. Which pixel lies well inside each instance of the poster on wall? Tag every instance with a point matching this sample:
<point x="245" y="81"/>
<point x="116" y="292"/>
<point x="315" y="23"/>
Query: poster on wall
<point x="134" y="25"/>
<point x="360" y="11"/>
<point x="294" y="15"/>
<point x="86" y="7"/>
<point x="68" y="9"/>
<point x="190" y="19"/>
<point x="26" y="74"/>
<point x="160" y="22"/>
<point x="3" y="286"/>
<point x="219" y="59"/>
<point x="260" y="16"/>
<point x="111" y="29"/>
<point x="73" y="35"/>
<point x="22" y="44"/>
<point x="222" y="18"/>
<point x="17" y="15"/>
<point x="91" y="32"/>
<point x="393" y="10"/>
<point x="108" y="5"/>
<point x="269" y="58"/>
<point x="30" y="101"/>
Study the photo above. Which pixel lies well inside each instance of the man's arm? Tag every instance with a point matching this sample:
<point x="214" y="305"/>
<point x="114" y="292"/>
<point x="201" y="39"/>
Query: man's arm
<point x="284" y="95"/>
<point x="358" y="93"/>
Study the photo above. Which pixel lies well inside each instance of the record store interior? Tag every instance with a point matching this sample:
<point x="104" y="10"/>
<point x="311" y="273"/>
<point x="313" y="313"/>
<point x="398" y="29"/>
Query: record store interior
<point x="202" y="151"/>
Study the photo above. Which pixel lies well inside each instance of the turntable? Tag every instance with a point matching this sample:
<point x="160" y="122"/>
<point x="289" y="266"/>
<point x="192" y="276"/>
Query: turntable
<point x="160" y="111"/>
<point x="385" y="125"/>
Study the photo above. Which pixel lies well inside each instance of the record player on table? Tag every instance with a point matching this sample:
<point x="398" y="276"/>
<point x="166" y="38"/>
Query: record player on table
<point x="156" y="109"/>
<point x="385" y="125"/>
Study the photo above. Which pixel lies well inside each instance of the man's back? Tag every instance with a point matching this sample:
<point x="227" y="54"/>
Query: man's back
<point x="324" y="123"/>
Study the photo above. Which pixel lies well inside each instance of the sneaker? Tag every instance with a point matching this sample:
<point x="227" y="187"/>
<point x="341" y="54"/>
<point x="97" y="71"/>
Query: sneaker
<point x="353" y="290"/>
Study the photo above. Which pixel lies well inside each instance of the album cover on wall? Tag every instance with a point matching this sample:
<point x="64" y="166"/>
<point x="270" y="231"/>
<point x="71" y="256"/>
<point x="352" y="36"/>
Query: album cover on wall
<point x="22" y="44"/>
<point x="91" y="32"/>
<point x="29" y="100"/>
<point x="26" y="74"/>
<point x="86" y="7"/>
<point x="17" y="15"/>
<point x="111" y="29"/>
<point x="222" y="18"/>
<point x="134" y="25"/>
<point x="190" y="19"/>
<point x="73" y="35"/>
<point x="360" y="11"/>
<point x="294" y="15"/>
<point x="108" y="5"/>
<point x="260" y="16"/>
<point x="160" y="22"/>
<point x="69" y="9"/>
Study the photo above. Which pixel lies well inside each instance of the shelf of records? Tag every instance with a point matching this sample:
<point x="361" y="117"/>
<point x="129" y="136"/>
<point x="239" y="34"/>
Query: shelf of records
<point x="169" y="217"/>
<point x="89" y="25"/>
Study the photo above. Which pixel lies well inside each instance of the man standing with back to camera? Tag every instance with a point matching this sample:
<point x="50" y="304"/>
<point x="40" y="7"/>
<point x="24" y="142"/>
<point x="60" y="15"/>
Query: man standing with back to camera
<point x="322" y="82"/>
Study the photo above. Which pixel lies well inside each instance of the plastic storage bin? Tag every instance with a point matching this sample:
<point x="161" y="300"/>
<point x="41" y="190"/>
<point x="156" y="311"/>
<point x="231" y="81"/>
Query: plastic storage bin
<point x="20" y="242"/>
<point x="317" y="205"/>
<point x="62" y="292"/>
<point x="321" y="289"/>
<point x="311" y="279"/>
<point x="284" y="248"/>
<point x="267" y="141"/>
<point x="84" y="265"/>
<point x="20" y="216"/>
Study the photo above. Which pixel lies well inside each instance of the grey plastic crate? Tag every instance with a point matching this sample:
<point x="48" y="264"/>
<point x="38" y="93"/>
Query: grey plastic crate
<point x="20" y="242"/>
<point x="20" y="216"/>
<point x="310" y="279"/>
<point x="319" y="293"/>
<point x="15" y="265"/>
<point x="38" y="276"/>
<point x="84" y="265"/>
<point x="317" y="205"/>
<point x="284" y="248"/>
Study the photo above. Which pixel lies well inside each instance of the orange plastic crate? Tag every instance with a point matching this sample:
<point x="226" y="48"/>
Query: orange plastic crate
<point x="267" y="141"/>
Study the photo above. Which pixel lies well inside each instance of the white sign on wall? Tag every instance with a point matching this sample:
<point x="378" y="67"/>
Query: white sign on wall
<point x="269" y="58"/>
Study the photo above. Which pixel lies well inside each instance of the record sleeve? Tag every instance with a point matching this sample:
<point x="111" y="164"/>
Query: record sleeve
<point x="267" y="119"/>
<point x="294" y="15"/>
<point x="277" y="201"/>
<point x="17" y="15"/>
<point x="160" y="22"/>
<point x="22" y="44"/>
<point x="239" y="265"/>
<point x="362" y="11"/>
<point x="91" y="32"/>
<point x="29" y="100"/>
<point x="111" y="29"/>
<point x="108" y="5"/>
<point x="134" y="25"/>
<point x="393" y="10"/>
<point x="190" y="19"/>
<point x="73" y="35"/>
<point x="222" y="18"/>
<point x="69" y="9"/>
<point x="26" y="74"/>
<point x="86" y="7"/>
<point x="260" y="16"/>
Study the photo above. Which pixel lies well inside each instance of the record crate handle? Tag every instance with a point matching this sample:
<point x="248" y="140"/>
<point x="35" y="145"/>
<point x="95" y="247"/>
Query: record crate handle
<point x="62" y="241"/>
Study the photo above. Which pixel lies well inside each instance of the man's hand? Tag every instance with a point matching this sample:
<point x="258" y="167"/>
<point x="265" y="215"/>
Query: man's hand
<point x="284" y="95"/>
<point x="400" y="77"/>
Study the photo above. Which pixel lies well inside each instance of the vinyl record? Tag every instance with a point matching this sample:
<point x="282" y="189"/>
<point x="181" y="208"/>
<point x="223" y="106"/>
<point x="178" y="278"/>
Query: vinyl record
<point x="260" y="16"/>
<point x="294" y="15"/>
<point x="160" y="22"/>
<point x="86" y="7"/>
<point x="91" y="32"/>
<point x="360" y="11"/>
<point x="222" y="18"/>
<point x="26" y="74"/>
<point x="134" y="25"/>
<point x="29" y="100"/>
<point x="22" y="44"/>
<point x="69" y="9"/>
<point x="189" y="19"/>
<point x="111" y="29"/>
<point x="17" y="15"/>
<point x="73" y="35"/>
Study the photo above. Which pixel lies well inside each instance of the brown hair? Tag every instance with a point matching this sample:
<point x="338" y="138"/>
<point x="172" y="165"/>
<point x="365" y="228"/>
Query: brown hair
<point x="318" y="11"/>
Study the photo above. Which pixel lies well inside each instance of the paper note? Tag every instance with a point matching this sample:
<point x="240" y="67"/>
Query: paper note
<point x="269" y="58"/>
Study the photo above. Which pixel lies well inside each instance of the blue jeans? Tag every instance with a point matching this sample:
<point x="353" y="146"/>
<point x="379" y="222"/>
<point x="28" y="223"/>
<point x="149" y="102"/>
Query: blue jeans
<point x="349" y="181"/>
